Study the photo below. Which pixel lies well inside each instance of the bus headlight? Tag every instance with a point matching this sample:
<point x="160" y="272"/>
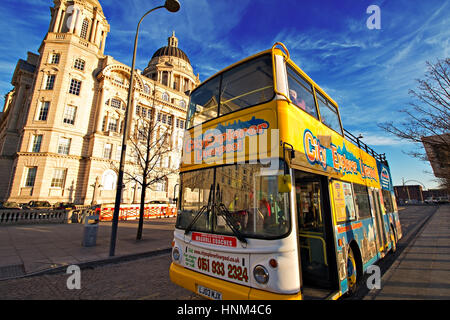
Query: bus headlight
<point x="261" y="274"/>
<point x="176" y="254"/>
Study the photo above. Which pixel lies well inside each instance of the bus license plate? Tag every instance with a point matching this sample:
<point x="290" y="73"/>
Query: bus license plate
<point x="212" y="294"/>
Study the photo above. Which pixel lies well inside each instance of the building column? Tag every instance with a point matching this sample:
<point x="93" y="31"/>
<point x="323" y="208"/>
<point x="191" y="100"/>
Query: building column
<point x="73" y="20"/>
<point x="57" y="20"/>
<point x="100" y="108"/>
<point x="93" y="30"/>
<point x="79" y="22"/>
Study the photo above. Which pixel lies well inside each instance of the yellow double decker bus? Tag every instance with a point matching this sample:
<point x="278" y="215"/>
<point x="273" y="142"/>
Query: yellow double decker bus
<point x="276" y="200"/>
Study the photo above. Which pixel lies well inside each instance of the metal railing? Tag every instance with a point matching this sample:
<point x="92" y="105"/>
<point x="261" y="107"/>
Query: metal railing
<point x="357" y="141"/>
<point x="8" y="217"/>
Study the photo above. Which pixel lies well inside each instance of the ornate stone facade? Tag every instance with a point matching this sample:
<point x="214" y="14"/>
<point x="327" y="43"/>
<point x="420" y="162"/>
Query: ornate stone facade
<point x="61" y="127"/>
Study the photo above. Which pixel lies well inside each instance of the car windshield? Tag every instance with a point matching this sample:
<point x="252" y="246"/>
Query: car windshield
<point x="244" y="195"/>
<point x="247" y="84"/>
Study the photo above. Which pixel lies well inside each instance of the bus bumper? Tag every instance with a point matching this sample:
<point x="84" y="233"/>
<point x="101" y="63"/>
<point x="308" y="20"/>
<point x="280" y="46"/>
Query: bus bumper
<point x="190" y="280"/>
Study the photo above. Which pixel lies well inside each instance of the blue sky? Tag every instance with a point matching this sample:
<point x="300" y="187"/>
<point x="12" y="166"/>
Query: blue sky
<point x="368" y="72"/>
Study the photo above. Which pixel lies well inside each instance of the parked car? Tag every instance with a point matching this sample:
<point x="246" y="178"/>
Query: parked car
<point x="443" y="200"/>
<point x="9" y="205"/>
<point x="159" y="202"/>
<point x="64" y="206"/>
<point x="38" y="205"/>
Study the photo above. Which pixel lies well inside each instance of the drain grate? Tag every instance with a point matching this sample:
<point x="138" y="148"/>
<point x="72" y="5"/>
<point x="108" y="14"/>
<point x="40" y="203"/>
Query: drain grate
<point x="13" y="271"/>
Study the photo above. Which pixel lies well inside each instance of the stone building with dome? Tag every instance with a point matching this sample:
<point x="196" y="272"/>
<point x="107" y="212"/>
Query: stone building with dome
<point x="61" y="126"/>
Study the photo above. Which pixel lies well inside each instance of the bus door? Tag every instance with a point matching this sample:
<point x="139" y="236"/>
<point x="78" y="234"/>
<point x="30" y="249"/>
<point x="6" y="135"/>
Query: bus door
<point x="318" y="258"/>
<point x="378" y="217"/>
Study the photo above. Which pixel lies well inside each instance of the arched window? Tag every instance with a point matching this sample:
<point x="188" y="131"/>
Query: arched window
<point x="182" y="104"/>
<point x="165" y="96"/>
<point x="84" y="29"/>
<point x="146" y="89"/>
<point x="109" y="180"/>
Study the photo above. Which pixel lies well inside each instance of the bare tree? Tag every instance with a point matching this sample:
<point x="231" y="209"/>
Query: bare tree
<point x="427" y="119"/>
<point x="149" y="145"/>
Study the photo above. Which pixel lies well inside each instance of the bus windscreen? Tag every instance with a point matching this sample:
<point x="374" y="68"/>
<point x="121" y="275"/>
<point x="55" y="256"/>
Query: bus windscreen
<point x="247" y="193"/>
<point x="245" y="85"/>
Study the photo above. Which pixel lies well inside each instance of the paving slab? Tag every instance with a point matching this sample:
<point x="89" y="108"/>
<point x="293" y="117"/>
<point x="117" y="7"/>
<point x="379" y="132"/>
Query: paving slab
<point x="422" y="271"/>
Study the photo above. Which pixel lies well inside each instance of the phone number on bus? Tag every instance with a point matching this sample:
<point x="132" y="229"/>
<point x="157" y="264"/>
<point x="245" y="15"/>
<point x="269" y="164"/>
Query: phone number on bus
<point x="229" y="267"/>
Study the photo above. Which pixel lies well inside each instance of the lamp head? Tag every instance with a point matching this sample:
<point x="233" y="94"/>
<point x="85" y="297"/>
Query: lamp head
<point x="172" y="5"/>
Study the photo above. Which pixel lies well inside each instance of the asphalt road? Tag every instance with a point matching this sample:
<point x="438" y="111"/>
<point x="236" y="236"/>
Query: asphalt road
<point x="148" y="278"/>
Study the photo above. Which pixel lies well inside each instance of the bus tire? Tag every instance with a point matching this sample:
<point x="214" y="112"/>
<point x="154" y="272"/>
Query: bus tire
<point x="393" y="240"/>
<point x="354" y="269"/>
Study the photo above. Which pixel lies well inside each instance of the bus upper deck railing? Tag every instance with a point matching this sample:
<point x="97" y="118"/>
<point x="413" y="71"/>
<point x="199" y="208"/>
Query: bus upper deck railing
<point x="356" y="140"/>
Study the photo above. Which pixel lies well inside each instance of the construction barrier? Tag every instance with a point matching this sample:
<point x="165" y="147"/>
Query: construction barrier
<point x="131" y="212"/>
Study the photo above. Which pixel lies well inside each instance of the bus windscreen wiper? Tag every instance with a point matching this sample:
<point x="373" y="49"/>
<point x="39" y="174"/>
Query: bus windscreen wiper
<point x="223" y="211"/>
<point x="206" y="207"/>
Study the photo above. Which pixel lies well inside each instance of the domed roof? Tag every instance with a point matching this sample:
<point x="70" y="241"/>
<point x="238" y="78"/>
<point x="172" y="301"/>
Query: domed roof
<point x="171" y="50"/>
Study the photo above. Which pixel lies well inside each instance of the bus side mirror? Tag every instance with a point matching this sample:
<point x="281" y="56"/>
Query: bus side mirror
<point x="284" y="183"/>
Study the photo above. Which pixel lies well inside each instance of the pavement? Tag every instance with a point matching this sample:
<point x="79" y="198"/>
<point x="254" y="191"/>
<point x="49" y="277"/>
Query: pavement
<point x="40" y="248"/>
<point x="422" y="271"/>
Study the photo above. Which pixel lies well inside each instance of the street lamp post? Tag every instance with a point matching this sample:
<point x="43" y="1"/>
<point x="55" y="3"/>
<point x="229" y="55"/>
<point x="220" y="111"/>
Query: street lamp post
<point x="171" y="6"/>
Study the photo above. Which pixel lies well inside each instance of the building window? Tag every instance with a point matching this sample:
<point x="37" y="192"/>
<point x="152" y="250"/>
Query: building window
<point x="31" y="176"/>
<point x="118" y="153"/>
<point x="112" y="125"/>
<point x="43" y="111"/>
<point x="146" y="89"/>
<point x="161" y="185"/>
<point x="79" y="64"/>
<point x="50" y="83"/>
<point x="37" y="141"/>
<point x="59" y="176"/>
<point x="176" y="82"/>
<point x="104" y="123"/>
<point x="183" y="104"/>
<point x="165" y="78"/>
<point x="165" y="96"/>
<point x="138" y="110"/>
<point x="55" y="58"/>
<point x="169" y="120"/>
<point x="109" y="180"/>
<point x="116" y="103"/>
<point x="107" y="151"/>
<point x="84" y="29"/>
<point x="75" y="87"/>
<point x="69" y="115"/>
<point x="180" y="123"/>
<point x="150" y="114"/>
<point x="64" y="145"/>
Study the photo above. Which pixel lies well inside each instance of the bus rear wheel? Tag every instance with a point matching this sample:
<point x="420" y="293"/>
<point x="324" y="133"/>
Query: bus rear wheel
<point x="352" y="272"/>
<point x="393" y="241"/>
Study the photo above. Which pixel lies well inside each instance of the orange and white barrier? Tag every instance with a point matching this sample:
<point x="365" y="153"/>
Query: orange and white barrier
<point x="131" y="212"/>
